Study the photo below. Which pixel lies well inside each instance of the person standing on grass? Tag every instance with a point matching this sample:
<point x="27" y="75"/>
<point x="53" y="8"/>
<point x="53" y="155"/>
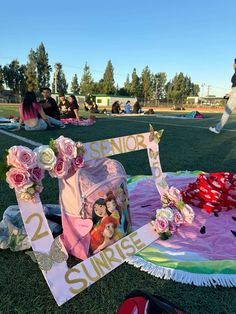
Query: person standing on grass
<point x="33" y="115"/>
<point x="49" y="104"/>
<point x="230" y="106"/>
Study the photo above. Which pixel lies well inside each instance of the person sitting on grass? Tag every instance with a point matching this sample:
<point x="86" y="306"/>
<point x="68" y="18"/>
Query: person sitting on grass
<point x="73" y="110"/>
<point x="49" y="104"/>
<point x="94" y="108"/>
<point x="137" y="108"/>
<point x="63" y="105"/>
<point x="116" y="107"/>
<point x="86" y="106"/>
<point x="33" y="115"/>
<point x="128" y="107"/>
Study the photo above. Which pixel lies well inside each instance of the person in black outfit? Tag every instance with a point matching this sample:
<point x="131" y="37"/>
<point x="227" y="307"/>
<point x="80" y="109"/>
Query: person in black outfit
<point x="115" y="107"/>
<point x="73" y="110"/>
<point x="137" y="107"/>
<point x="94" y="108"/>
<point x="49" y="104"/>
<point x="63" y="105"/>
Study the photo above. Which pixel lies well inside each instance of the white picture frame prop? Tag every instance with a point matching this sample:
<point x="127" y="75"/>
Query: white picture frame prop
<point x="65" y="282"/>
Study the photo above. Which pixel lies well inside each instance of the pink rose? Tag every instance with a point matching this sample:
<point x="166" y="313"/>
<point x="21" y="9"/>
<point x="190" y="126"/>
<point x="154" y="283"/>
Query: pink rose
<point x="188" y="213"/>
<point x="174" y="195"/>
<point x="60" y="169"/>
<point x="78" y="162"/>
<point x="178" y="218"/>
<point x="172" y="227"/>
<point x="36" y="174"/>
<point x="18" y="178"/>
<point x="66" y="147"/>
<point x="21" y="157"/>
<point x="161" y="224"/>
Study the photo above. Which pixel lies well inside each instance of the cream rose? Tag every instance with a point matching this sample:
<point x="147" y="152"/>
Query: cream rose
<point x="45" y="157"/>
<point x="166" y="213"/>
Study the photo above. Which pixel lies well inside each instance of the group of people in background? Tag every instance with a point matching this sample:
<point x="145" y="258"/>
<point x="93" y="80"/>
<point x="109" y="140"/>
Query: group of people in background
<point x="38" y="115"/>
<point x="69" y="108"/>
<point x="90" y="105"/>
<point x="116" y="108"/>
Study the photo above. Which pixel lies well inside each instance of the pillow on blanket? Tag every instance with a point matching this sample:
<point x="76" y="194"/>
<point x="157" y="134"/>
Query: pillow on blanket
<point x="214" y="192"/>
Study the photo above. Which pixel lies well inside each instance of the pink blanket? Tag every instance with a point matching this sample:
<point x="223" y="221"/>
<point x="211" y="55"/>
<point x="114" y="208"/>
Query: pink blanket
<point x="210" y="237"/>
<point x="83" y="122"/>
<point x="202" y="254"/>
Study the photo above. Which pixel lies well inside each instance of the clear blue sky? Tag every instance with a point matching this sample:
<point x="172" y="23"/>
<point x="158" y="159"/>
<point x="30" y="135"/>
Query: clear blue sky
<point x="193" y="37"/>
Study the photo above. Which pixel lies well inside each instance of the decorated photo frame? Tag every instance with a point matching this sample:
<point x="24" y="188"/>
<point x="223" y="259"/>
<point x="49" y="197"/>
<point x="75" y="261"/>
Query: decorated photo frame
<point x="65" y="282"/>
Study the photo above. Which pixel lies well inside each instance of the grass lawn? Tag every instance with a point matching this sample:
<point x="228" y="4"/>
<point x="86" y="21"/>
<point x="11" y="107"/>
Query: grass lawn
<point x="185" y="145"/>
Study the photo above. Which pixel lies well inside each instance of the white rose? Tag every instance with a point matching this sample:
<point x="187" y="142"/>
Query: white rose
<point x="45" y="157"/>
<point x="166" y="213"/>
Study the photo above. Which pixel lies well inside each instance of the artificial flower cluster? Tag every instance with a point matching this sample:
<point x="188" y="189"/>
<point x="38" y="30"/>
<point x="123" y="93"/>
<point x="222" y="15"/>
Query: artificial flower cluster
<point x="26" y="168"/>
<point x="174" y="212"/>
<point x="24" y="175"/>
<point x="60" y="156"/>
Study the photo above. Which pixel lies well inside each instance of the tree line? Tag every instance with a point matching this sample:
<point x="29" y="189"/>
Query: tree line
<point x="35" y="74"/>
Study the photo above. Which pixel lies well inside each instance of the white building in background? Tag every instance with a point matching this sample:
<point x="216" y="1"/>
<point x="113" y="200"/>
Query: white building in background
<point x="192" y="100"/>
<point x="104" y="100"/>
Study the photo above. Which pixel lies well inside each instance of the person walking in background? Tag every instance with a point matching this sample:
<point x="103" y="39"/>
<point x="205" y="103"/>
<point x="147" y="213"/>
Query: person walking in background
<point x="49" y="104"/>
<point x="230" y="106"/>
<point x="33" y="115"/>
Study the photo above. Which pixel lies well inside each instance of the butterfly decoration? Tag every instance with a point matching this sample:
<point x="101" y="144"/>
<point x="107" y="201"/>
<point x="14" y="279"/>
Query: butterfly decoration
<point x="45" y="261"/>
<point x="153" y="154"/>
<point x="155" y="136"/>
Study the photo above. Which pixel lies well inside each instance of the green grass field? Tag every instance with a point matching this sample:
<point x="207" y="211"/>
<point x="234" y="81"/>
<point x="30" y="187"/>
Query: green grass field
<point x="185" y="145"/>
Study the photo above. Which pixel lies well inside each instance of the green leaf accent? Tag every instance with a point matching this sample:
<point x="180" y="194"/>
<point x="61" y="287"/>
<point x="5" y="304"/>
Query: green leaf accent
<point x="180" y="205"/>
<point x="165" y="235"/>
<point x="52" y="145"/>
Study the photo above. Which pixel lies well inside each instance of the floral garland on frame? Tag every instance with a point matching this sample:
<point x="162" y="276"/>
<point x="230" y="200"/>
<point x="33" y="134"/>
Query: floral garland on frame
<point x="174" y="212"/>
<point x="24" y="168"/>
